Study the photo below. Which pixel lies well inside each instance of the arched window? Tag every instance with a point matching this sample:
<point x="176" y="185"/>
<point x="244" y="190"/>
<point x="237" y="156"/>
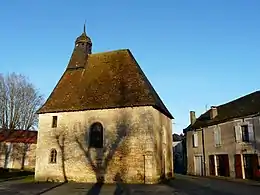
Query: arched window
<point x="96" y="135"/>
<point x="53" y="156"/>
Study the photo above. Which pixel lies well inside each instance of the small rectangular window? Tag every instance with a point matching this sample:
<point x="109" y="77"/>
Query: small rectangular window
<point x="54" y="121"/>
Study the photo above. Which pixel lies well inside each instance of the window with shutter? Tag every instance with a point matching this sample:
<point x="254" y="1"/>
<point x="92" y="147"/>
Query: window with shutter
<point x="195" y="139"/>
<point x="238" y="133"/>
<point x="251" y="133"/>
<point x="217" y="136"/>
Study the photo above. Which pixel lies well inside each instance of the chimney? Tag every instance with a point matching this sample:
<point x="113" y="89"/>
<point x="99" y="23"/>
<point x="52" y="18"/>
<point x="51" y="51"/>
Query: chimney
<point x="192" y="117"/>
<point x="213" y="112"/>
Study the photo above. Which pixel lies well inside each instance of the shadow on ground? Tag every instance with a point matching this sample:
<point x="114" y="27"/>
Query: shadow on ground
<point x="21" y="187"/>
<point x="203" y="186"/>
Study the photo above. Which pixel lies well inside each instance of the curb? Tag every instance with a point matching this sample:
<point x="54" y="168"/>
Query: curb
<point x="244" y="181"/>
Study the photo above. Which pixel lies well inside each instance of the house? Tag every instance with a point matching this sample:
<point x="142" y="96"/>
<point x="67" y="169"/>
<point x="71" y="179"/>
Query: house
<point x="103" y="121"/>
<point x="178" y="153"/>
<point x="17" y="149"/>
<point x="225" y="140"/>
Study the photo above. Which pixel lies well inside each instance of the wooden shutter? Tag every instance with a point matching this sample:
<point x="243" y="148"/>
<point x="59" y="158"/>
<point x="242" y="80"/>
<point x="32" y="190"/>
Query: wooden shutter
<point x="195" y="140"/>
<point x="251" y="133"/>
<point x="238" y="133"/>
<point x="217" y="136"/>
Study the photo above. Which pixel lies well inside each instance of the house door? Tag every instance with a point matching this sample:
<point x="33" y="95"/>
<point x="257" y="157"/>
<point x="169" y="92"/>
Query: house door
<point x="250" y="165"/>
<point x="198" y="165"/>
<point x="211" y="165"/>
<point x="223" y="165"/>
<point x="238" y="166"/>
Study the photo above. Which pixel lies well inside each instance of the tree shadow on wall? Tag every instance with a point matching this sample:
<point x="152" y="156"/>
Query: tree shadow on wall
<point x="98" y="158"/>
<point x="60" y="139"/>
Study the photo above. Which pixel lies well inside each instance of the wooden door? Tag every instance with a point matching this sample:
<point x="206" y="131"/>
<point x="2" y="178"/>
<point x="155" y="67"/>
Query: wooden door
<point x="238" y="166"/>
<point x="211" y="165"/>
<point x="255" y="166"/>
<point x="198" y="165"/>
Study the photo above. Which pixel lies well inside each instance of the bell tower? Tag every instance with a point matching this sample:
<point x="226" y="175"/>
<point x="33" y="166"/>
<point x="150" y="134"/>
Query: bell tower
<point x="82" y="48"/>
<point x="84" y="42"/>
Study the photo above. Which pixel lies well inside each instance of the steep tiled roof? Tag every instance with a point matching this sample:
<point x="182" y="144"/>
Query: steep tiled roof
<point x="18" y="136"/>
<point x="241" y="107"/>
<point x="107" y="80"/>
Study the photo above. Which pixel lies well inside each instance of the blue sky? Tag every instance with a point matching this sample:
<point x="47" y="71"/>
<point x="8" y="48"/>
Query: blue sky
<point x="195" y="53"/>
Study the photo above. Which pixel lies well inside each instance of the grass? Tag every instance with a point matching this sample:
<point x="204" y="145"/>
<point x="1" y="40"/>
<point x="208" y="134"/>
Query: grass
<point x="28" y="179"/>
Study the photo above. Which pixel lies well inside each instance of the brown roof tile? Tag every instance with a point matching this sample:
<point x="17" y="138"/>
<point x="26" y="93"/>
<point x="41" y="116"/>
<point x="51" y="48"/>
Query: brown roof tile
<point x="18" y="136"/>
<point x="241" y="107"/>
<point x="108" y="80"/>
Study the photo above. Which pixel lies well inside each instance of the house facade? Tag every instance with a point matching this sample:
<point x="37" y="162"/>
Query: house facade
<point x="17" y="149"/>
<point x="225" y="140"/>
<point x="103" y="121"/>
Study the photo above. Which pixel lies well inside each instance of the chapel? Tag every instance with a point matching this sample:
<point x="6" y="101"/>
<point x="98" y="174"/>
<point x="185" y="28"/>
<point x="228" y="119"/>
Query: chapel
<point x="103" y="121"/>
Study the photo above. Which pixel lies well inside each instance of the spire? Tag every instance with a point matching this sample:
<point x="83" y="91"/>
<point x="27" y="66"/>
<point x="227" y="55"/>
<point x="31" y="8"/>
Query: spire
<point x="84" y="30"/>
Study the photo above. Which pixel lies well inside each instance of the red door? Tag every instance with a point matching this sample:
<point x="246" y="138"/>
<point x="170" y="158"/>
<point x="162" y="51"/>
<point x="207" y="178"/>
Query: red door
<point x="238" y="166"/>
<point x="211" y="165"/>
<point x="255" y="166"/>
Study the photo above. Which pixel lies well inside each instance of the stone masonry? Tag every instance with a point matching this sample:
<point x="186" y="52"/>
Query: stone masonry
<point x="137" y="146"/>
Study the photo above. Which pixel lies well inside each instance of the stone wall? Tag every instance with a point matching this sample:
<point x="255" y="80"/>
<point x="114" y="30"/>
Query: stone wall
<point x="132" y="142"/>
<point x="20" y="155"/>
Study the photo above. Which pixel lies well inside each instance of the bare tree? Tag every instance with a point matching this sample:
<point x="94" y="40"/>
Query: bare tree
<point x="19" y="100"/>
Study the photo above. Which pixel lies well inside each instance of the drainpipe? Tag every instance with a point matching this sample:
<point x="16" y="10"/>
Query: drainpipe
<point x="144" y="168"/>
<point x="203" y="150"/>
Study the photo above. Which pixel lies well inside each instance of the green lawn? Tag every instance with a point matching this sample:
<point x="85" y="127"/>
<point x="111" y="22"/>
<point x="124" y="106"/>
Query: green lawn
<point x="29" y="179"/>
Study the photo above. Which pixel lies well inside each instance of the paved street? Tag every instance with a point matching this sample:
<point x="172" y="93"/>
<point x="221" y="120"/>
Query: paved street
<point x="22" y="187"/>
<point x="188" y="185"/>
<point x="182" y="185"/>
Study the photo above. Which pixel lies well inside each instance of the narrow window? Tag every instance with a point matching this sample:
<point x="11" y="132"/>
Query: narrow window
<point x="53" y="156"/>
<point x="245" y="133"/>
<point x="54" y="121"/>
<point x="96" y="136"/>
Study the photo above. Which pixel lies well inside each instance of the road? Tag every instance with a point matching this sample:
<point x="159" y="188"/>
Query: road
<point x="181" y="185"/>
<point x="189" y="185"/>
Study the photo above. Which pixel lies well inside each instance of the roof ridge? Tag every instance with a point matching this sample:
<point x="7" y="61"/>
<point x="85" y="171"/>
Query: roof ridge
<point x="239" y="98"/>
<point x="242" y="106"/>
<point x="111" y="51"/>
